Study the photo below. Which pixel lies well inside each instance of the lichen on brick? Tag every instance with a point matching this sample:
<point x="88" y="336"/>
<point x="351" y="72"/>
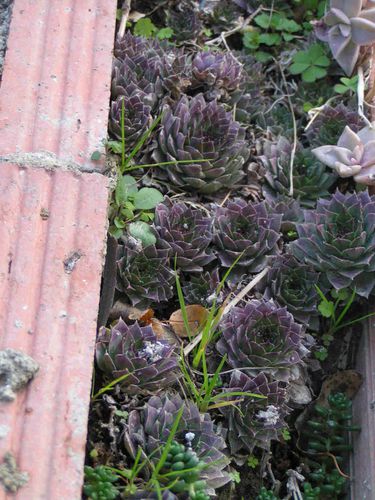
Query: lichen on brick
<point x="16" y="370"/>
<point x="10" y="476"/>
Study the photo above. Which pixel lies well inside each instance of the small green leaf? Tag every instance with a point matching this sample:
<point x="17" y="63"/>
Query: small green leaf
<point x="252" y="461"/>
<point x="340" y="89"/>
<point x="321" y="354"/>
<point x="96" y="155"/>
<point x="143" y="232"/>
<point x="286" y="434"/>
<point x="126" y="185"/>
<point x="251" y="39"/>
<point x="270" y="39"/>
<point x="297" y="68"/>
<point x="326" y="308"/>
<point x="114" y="146"/>
<point x="119" y="223"/>
<point x="165" y="33"/>
<point x="263" y="20"/>
<point x="145" y="27"/>
<point x="147" y="198"/>
<point x="342" y="294"/>
<point x="262" y="56"/>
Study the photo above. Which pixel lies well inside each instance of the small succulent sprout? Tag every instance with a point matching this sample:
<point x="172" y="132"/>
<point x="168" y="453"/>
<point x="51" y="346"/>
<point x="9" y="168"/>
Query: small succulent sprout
<point x="148" y="363"/>
<point x="262" y="335"/>
<point x="354" y="155"/>
<point x="150" y="427"/>
<point x="338" y="240"/>
<point x="247" y="230"/>
<point x="193" y="129"/>
<point x="144" y="274"/>
<point x="255" y="421"/>
<point x="188" y="233"/>
<point x="346" y="27"/>
<point x="184" y="20"/>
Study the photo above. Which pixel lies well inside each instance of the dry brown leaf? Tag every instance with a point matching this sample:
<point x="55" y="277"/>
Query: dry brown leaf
<point x="196" y="316"/>
<point x="162" y="332"/>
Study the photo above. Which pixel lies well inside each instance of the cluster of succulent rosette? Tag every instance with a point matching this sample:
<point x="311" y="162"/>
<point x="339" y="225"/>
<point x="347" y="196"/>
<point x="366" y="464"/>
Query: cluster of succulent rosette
<point x="310" y="230"/>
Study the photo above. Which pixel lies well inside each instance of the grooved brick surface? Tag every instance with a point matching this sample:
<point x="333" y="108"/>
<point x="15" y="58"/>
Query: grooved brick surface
<point x="54" y="97"/>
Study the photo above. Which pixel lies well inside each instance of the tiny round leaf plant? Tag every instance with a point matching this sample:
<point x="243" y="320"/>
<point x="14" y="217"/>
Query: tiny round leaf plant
<point x="311" y="64"/>
<point x="135" y="353"/>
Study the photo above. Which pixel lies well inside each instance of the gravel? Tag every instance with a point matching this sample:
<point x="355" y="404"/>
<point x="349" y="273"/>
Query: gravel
<point x="5" y="16"/>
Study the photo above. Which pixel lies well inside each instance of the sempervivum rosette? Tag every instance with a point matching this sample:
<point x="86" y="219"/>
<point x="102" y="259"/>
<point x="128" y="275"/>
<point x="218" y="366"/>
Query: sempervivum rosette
<point x="310" y="178"/>
<point x="338" y="239"/>
<point x="187" y="232"/>
<point x="293" y="284"/>
<point x="149" y="428"/>
<point x="255" y="421"/>
<point x="330" y="123"/>
<point x="144" y="274"/>
<point x="262" y="335"/>
<point x="192" y="130"/>
<point x="218" y="74"/>
<point x="289" y="209"/>
<point x="137" y="118"/>
<point x="202" y="289"/>
<point x="247" y="229"/>
<point x="150" y="364"/>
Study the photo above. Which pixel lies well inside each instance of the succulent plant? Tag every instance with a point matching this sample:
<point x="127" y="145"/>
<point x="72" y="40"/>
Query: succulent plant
<point x="150" y="364"/>
<point x="310" y="179"/>
<point x="255" y="421"/>
<point x="247" y="229"/>
<point x="224" y="15"/>
<point x="330" y="123"/>
<point x="346" y="27"/>
<point x="354" y="155"/>
<point x="137" y="118"/>
<point x="289" y="209"/>
<point x="338" y="239"/>
<point x="193" y="130"/>
<point x="202" y="289"/>
<point x="293" y="284"/>
<point x="187" y="232"/>
<point x="182" y="460"/>
<point x="184" y="20"/>
<point x="144" y="274"/>
<point x="218" y="75"/>
<point x="149" y="428"/>
<point x="262" y="335"/>
<point x="140" y="74"/>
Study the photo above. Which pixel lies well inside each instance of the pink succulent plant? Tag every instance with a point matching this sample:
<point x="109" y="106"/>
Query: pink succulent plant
<point x="347" y="26"/>
<point x="354" y="155"/>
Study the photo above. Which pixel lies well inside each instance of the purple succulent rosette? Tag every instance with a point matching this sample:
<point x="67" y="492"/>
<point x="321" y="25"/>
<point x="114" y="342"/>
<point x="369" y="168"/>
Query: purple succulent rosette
<point x="151" y="364"/>
<point x="288" y="208"/>
<point x="247" y="229"/>
<point x="255" y="421"/>
<point x="354" y="155"/>
<point x="202" y="289"/>
<point x="310" y="178"/>
<point x="218" y="74"/>
<point x="338" y="240"/>
<point x="187" y="232"/>
<point x="193" y="129"/>
<point x="149" y="428"/>
<point x="262" y="335"/>
<point x="346" y="27"/>
<point x="144" y="274"/>
<point x="293" y="284"/>
<point x="137" y="118"/>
